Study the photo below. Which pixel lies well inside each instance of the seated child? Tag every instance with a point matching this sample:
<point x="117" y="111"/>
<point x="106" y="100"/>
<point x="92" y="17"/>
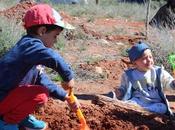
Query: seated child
<point x="144" y="83"/>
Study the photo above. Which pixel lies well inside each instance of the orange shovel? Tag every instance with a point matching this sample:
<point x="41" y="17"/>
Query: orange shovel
<point x="83" y="125"/>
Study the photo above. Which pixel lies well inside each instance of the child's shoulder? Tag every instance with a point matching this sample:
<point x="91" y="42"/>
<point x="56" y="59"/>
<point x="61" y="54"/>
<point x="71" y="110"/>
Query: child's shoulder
<point x="129" y="73"/>
<point x="129" y="70"/>
<point x="159" y="70"/>
<point x="28" y="40"/>
<point x="158" y="67"/>
<point x="132" y="72"/>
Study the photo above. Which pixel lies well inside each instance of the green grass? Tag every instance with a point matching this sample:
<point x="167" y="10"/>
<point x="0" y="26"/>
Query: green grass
<point x="162" y="44"/>
<point x="109" y="9"/>
<point x="93" y="59"/>
<point x="7" y="3"/>
<point x="60" y="44"/>
<point x="9" y="34"/>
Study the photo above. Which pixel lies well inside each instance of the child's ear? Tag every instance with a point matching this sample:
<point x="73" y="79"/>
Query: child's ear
<point x="41" y="30"/>
<point x="133" y="62"/>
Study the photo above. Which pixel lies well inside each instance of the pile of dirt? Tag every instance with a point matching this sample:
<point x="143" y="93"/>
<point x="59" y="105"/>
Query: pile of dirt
<point x="103" y="115"/>
<point x="17" y="12"/>
<point x="106" y="68"/>
<point x="133" y="30"/>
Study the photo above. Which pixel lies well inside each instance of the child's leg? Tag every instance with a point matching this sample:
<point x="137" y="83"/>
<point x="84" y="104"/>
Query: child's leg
<point x="157" y="108"/>
<point x="152" y="107"/>
<point x="31" y="123"/>
<point x="22" y="101"/>
<point x="5" y="126"/>
<point x="135" y="101"/>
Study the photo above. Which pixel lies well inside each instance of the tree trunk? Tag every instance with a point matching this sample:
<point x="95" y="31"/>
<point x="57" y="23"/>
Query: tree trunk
<point x="97" y="1"/>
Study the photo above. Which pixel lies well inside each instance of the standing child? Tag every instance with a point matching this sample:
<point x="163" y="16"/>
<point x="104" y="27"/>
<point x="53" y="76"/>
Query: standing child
<point x="24" y="85"/>
<point x="144" y="83"/>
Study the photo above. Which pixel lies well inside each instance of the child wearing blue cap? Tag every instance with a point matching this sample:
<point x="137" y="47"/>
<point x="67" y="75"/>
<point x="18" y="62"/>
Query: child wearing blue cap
<point x="143" y="84"/>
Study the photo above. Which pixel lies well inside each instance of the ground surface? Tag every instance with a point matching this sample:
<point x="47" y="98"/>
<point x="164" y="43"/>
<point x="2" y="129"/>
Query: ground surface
<point x="98" y="62"/>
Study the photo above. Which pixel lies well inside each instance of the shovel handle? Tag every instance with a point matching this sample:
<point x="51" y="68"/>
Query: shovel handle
<point x="78" y="112"/>
<point x="81" y="117"/>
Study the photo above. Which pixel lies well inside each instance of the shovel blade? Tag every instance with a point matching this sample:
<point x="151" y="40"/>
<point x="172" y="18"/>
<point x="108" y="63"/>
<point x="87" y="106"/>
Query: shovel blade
<point x="84" y="127"/>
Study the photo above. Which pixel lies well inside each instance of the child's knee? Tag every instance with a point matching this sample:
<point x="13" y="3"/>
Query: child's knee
<point x="41" y="89"/>
<point x="42" y="96"/>
<point x="160" y="108"/>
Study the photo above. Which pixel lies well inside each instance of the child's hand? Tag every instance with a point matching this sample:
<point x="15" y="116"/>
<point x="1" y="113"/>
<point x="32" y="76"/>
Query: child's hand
<point x="73" y="105"/>
<point x="68" y="85"/>
<point x="173" y="83"/>
<point x="118" y="93"/>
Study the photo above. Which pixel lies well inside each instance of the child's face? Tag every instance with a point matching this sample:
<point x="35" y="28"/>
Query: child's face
<point x="145" y="62"/>
<point x="49" y="38"/>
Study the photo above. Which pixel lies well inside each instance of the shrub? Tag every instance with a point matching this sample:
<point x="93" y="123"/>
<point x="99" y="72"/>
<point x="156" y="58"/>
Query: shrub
<point x="9" y="34"/>
<point x="162" y="43"/>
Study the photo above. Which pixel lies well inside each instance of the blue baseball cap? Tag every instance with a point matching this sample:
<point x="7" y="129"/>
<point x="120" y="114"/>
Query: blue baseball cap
<point x="137" y="50"/>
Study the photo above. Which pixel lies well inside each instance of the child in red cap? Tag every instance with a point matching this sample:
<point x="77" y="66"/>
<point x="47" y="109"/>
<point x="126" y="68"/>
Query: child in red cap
<point x="24" y="85"/>
<point x="144" y="84"/>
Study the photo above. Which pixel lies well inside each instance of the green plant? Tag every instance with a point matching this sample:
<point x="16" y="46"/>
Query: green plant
<point x="91" y="19"/>
<point x="9" y="34"/>
<point x="93" y="59"/>
<point x="60" y="44"/>
<point x="162" y="44"/>
<point x="57" y="78"/>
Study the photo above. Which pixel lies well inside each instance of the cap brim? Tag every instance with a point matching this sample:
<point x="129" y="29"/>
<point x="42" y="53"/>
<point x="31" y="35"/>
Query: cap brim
<point x="60" y="22"/>
<point x="65" y="25"/>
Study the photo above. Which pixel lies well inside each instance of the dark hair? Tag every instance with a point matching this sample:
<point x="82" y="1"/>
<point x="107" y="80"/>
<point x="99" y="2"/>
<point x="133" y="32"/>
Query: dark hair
<point x="170" y="3"/>
<point x="50" y="27"/>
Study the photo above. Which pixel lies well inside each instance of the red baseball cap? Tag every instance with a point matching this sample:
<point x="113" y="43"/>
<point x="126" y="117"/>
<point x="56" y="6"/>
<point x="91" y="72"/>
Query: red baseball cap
<point x="44" y="14"/>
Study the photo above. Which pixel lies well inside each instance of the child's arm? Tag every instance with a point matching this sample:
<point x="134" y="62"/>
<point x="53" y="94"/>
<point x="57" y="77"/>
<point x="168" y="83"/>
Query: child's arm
<point x="36" y="53"/>
<point x="173" y="84"/>
<point x="68" y="85"/>
<point x="55" y="91"/>
<point x="121" y="90"/>
<point x="167" y="80"/>
<point x="118" y="93"/>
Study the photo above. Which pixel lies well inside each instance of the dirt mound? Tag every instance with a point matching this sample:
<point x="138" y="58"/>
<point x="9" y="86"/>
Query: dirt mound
<point x="17" y="12"/>
<point x="108" y="68"/>
<point x="133" y="30"/>
<point x="103" y="115"/>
